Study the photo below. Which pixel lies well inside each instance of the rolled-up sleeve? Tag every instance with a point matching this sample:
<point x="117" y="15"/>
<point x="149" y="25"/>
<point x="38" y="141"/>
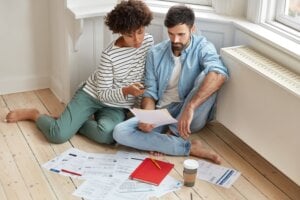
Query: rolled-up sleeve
<point x="150" y="79"/>
<point x="211" y="61"/>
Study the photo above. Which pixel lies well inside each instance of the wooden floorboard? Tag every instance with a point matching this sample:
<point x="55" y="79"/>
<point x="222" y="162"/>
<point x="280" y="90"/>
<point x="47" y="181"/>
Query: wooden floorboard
<point x="23" y="150"/>
<point x="40" y="148"/>
<point x="236" y="191"/>
<point x="12" y="182"/>
<point x="26" y="161"/>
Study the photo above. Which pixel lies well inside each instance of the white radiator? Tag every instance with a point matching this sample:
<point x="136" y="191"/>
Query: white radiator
<point x="260" y="104"/>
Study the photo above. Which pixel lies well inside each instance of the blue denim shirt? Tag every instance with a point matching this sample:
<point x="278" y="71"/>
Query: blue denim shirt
<point x="199" y="56"/>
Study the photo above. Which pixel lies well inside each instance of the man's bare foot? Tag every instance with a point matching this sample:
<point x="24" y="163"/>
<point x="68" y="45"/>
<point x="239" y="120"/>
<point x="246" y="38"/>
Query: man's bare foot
<point x="198" y="150"/>
<point x="22" y="114"/>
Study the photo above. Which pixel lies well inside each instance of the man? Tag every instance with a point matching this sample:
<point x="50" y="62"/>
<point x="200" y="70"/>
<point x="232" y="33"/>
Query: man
<point x="182" y="75"/>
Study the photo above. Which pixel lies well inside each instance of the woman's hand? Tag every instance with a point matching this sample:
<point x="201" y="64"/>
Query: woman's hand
<point x="135" y="89"/>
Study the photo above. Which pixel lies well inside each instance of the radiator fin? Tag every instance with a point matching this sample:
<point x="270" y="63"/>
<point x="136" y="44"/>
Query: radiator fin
<point x="268" y="68"/>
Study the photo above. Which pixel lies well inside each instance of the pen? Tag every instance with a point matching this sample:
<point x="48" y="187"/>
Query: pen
<point x="157" y="165"/>
<point x="54" y="170"/>
<point x="70" y="172"/>
<point x="191" y="196"/>
<point x="137" y="159"/>
<point x="142" y="87"/>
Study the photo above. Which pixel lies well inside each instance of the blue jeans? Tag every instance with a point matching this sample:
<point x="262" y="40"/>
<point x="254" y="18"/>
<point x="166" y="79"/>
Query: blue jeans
<point x="128" y="134"/>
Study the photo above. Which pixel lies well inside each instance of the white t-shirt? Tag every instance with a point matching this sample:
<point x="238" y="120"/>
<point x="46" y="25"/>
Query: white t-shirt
<point x="171" y="93"/>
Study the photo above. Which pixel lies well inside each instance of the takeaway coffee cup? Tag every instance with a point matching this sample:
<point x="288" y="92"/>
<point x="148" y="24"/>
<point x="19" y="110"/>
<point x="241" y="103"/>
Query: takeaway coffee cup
<point x="190" y="168"/>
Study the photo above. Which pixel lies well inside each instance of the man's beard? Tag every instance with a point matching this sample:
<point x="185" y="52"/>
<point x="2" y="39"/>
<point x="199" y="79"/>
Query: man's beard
<point x="178" y="46"/>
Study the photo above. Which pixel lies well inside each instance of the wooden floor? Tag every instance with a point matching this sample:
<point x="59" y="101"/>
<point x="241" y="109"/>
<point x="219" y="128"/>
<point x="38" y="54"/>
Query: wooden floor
<point x="23" y="150"/>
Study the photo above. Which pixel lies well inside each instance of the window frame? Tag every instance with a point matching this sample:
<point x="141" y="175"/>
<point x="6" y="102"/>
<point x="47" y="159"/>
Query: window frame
<point x="281" y="17"/>
<point x="263" y="13"/>
<point x="193" y="2"/>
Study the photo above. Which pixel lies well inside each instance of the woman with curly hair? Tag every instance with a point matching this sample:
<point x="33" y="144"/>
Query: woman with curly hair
<point x="115" y="86"/>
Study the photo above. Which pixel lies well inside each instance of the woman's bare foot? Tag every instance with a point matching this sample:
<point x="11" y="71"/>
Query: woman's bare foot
<point x="22" y="114"/>
<point x="198" y="150"/>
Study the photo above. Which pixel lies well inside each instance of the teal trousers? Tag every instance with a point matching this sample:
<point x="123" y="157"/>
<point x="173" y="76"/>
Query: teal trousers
<point x="84" y="115"/>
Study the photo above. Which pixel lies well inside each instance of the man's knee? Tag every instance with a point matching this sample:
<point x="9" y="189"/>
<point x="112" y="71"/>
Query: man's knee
<point x="119" y="132"/>
<point x="123" y="131"/>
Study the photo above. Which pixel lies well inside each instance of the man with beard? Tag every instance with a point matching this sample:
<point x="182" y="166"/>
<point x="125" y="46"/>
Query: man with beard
<point x="183" y="75"/>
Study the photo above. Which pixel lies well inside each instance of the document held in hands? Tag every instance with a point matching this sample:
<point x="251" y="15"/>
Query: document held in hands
<point x="157" y="117"/>
<point x="149" y="172"/>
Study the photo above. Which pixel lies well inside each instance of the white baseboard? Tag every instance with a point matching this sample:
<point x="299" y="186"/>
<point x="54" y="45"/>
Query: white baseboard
<point x="58" y="90"/>
<point x="15" y="84"/>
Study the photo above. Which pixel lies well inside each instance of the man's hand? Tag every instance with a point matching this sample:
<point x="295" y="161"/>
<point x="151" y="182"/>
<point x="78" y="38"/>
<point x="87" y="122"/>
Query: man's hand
<point x="145" y="127"/>
<point x="184" y="122"/>
<point x="148" y="103"/>
<point x="212" y="82"/>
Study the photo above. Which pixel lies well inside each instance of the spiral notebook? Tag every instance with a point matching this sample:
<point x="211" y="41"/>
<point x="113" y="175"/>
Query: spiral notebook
<point x="152" y="172"/>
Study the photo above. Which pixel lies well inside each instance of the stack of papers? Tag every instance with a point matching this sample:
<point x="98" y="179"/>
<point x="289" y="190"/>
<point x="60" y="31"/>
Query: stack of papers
<point x="107" y="175"/>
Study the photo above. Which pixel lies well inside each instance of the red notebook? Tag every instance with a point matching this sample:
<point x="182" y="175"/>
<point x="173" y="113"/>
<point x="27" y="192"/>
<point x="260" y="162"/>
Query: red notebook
<point x="149" y="172"/>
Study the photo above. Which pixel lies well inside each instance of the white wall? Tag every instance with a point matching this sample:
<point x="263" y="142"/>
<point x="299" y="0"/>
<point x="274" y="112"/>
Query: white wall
<point x="25" y="54"/>
<point x="230" y="7"/>
<point x="58" y="47"/>
<point x="43" y="45"/>
<point x="76" y="43"/>
<point x="37" y="44"/>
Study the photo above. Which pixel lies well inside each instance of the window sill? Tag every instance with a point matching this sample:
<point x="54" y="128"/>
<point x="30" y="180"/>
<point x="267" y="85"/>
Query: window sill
<point x="90" y="9"/>
<point x="270" y="37"/>
<point x="163" y="6"/>
<point x="283" y="30"/>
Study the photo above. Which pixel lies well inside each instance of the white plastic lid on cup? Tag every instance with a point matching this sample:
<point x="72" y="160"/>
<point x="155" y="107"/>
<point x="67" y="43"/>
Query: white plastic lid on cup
<point x="190" y="164"/>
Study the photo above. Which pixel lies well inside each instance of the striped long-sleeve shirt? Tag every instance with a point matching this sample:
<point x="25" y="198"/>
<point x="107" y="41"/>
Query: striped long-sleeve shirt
<point x="119" y="67"/>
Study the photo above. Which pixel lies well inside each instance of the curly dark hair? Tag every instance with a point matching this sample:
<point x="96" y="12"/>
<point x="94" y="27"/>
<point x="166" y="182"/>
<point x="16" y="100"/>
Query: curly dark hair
<point x="128" y="16"/>
<point x="179" y="14"/>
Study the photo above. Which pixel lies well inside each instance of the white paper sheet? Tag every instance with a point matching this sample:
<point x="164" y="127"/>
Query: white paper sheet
<point x="121" y="188"/>
<point x="217" y="174"/>
<point x="71" y="160"/>
<point x="157" y="117"/>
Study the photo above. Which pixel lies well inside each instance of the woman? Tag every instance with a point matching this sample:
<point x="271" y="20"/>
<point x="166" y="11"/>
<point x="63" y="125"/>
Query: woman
<point x="115" y="85"/>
